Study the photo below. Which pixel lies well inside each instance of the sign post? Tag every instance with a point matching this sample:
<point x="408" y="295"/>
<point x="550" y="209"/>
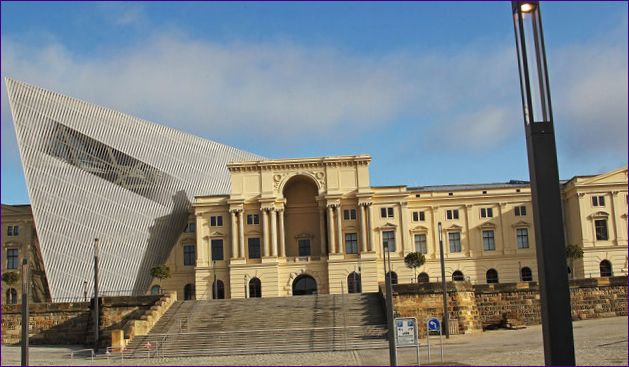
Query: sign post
<point x="406" y="334"/>
<point x="434" y="325"/>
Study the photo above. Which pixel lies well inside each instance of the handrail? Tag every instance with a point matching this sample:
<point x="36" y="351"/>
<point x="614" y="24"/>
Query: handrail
<point x="272" y="330"/>
<point x="82" y="350"/>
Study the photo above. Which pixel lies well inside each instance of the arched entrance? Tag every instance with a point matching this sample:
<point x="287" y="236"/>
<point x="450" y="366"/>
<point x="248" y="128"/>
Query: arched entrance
<point x="606" y="268"/>
<point x="302" y="219"/>
<point x="255" y="288"/>
<point x="353" y="283"/>
<point x="218" y="289"/>
<point x="304" y="285"/>
<point x="188" y="292"/>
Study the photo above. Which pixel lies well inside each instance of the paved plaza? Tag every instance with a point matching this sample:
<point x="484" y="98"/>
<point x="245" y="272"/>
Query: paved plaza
<point x="597" y="342"/>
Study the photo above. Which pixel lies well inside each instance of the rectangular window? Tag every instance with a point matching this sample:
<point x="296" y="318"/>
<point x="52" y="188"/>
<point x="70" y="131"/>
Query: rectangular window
<point x="422" y="216"/>
<point x="351" y="243"/>
<point x="253" y="219"/>
<point x="452" y="214"/>
<point x="254" y="248"/>
<point x="12" y="258"/>
<point x="418" y="217"/>
<point x="601" y="229"/>
<point x="189" y="255"/>
<point x="522" y="237"/>
<point x="454" y="238"/>
<point x="349" y="214"/>
<point x="520" y="211"/>
<point x="13" y="230"/>
<point x="216" y="221"/>
<point x="486" y="212"/>
<point x="386" y="212"/>
<point x="489" y="244"/>
<point x="217" y="250"/>
<point x="420" y="243"/>
<point x="388" y="239"/>
<point x="304" y="247"/>
<point x="598" y="200"/>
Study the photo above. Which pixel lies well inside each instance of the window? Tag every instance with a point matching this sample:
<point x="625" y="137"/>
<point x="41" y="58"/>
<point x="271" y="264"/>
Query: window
<point x="486" y="212"/>
<point x="255" y="288"/>
<point x="189" y="256"/>
<point x="491" y="276"/>
<point x="598" y="200"/>
<point x="217" y="250"/>
<point x="520" y="211"/>
<point x="489" y="244"/>
<point x="386" y="212"/>
<point x="393" y="276"/>
<point x="601" y="229"/>
<point x="522" y="237"/>
<point x="454" y="238"/>
<point x="526" y="275"/>
<point x="189" y="292"/>
<point x="216" y="221"/>
<point x="156" y="290"/>
<point x="419" y="217"/>
<point x="254" y="248"/>
<point x="420" y="243"/>
<point x="349" y="214"/>
<point x="191" y="227"/>
<point x="452" y="214"/>
<point x="606" y="268"/>
<point x="458" y="276"/>
<point x="304" y="247"/>
<point x="388" y="239"/>
<point x="13" y="231"/>
<point x="353" y="283"/>
<point x="12" y="258"/>
<point x="218" y="289"/>
<point x="423" y="278"/>
<point x="11" y="296"/>
<point x="351" y="243"/>
<point x="253" y="219"/>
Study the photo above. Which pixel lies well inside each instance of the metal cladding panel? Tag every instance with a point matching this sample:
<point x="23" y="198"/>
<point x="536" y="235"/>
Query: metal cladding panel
<point x="93" y="173"/>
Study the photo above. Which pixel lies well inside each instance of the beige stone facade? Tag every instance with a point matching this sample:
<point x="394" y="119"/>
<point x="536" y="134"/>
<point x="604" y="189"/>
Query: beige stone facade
<point x="319" y="218"/>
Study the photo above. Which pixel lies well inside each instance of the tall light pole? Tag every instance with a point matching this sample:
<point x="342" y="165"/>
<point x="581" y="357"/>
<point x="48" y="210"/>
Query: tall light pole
<point x="96" y="310"/>
<point x="25" y="316"/>
<point x="390" y="313"/>
<point x="545" y="186"/>
<point x="446" y="314"/>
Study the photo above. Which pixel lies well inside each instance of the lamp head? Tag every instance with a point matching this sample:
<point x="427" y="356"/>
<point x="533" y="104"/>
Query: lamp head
<point x="527" y="7"/>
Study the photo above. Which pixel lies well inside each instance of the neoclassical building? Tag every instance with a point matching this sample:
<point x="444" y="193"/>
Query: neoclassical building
<point x="316" y="225"/>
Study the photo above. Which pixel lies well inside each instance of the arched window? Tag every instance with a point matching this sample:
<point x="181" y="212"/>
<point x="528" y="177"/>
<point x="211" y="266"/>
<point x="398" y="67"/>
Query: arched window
<point x="11" y="296"/>
<point x="458" y="276"/>
<point x="393" y="277"/>
<point x="304" y="285"/>
<point x="492" y="276"/>
<point x="255" y="288"/>
<point x="353" y="283"/>
<point x="188" y="292"/>
<point x="526" y="275"/>
<point x="423" y="278"/>
<point x="606" y="268"/>
<point x="218" y="289"/>
<point x="156" y="290"/>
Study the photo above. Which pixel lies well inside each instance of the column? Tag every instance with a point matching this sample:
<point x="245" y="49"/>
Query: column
<point x="363" y="229"/>
<point x="322" y="231"/>
<point x="468" y="231"/>
<point x="370" y="228"/>
<point x="614" y="219"/>
<point x="403" y="225"/>
<point x="265" y="232"/>
<point x="339" y="217"/>
<point x="241" y="215"/>
<point x="234" y="230"/>
<point x="331" y="229"/>
<point x="282" y="234"/>
<point x="273" y="232"/>
<point x="503" y="235"/>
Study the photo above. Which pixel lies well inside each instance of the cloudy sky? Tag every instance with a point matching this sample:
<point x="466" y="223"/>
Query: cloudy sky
<point x="430" y="90"/>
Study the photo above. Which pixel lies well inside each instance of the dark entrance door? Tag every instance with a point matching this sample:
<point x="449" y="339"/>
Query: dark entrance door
<point x="304" y="285"/>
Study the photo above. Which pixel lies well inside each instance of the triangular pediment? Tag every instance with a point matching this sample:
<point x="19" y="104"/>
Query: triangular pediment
<point x="388" y="225"/>
<point x="521" y="224"/>
<point x="488" y="225"/>
<point x="454" y="227"/>
<point x="617" y="176"/>
<point x="419" y="228"/>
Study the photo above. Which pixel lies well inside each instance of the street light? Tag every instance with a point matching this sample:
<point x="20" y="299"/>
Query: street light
<point x="446" y="314"/>
<point x="96" y="310"/>
<point x="390" y="314"/>
<point x="545" y="187"/>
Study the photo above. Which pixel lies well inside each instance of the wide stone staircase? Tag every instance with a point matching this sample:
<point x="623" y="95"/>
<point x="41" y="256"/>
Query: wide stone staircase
<point x="266" y="325"/>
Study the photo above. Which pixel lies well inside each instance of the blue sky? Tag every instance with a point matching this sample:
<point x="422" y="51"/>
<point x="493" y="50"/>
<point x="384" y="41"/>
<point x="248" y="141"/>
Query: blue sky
<point x="430" y="90"/>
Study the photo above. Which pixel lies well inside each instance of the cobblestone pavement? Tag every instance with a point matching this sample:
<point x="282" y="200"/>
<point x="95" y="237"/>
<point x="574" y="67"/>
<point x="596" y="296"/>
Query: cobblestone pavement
<point x="597" y="342"/>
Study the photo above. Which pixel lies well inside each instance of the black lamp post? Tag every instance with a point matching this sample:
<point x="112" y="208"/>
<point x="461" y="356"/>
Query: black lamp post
<point x="545" y="186"/>
<point x="446" y="314"/>
<point x="389" y="301"/>
<point x="96" y="310"/>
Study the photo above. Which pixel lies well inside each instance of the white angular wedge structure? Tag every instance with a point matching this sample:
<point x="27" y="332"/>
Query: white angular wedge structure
<point x="93" y="172"/>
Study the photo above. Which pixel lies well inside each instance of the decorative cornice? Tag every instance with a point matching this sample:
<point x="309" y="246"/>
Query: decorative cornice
<point x="299" y="164"/>
<point x="600" y="214"/>
<point x="520" y="224"/>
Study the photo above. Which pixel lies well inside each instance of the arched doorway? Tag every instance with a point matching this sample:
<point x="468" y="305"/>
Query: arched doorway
<point x="606" y="268"/>
<point x="304" y="285"/>
<point x="423" y="278"/>
<point x="354" y="283"/>
<point x="301" y="216"/>
<point x="458" y="276"/>
<point x="188" y="292"/>
<point x="255" y="288"/>
<point x="526" y="275"/>
<point x="491" y="276"/>
<point x="218" y="289"/>
<point x="393" y="276"/>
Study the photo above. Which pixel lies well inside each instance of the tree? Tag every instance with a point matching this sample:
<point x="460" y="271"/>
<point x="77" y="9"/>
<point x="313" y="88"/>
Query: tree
<point x="10" y="277"/>
<point x="160" y="272"/>
<point x="573" y="252"/>
<point x="414" y="260"/>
